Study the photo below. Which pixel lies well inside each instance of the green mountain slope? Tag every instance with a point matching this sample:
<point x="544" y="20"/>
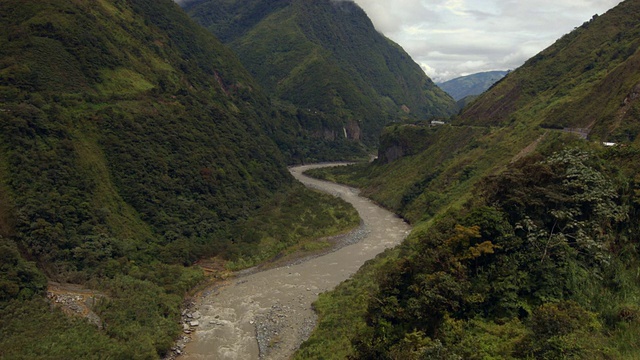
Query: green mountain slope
<point x="132" y="143"/>
<point x="525" y="237"/>
<point x="150" y="115"/>
<point x="564" y="86"/>
<point x="326" y="59"/>
<point x="474" y="84"/>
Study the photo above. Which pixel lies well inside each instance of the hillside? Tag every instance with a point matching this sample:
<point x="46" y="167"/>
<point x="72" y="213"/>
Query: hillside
<point x="132" y="143"/>
<point x="588" y="79"/>
<point x="474" y="84"/>
<point x="525" y="233"/>
<point x="325" y="58"/>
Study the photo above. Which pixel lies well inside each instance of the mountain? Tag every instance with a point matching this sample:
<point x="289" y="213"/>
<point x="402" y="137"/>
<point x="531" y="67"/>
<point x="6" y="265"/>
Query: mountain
<point x="525" y="222"/>
<point x="153" y="120"/>
<point x="466" y="101"/>
<point x="587" y="80"/>
<point x="133" y="142"/>
<point x="474" y="84"/>
<point x="325" y="60"/>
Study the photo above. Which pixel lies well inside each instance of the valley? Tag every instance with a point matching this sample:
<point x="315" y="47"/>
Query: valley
<point x="147" y="147"/>
<point x="276" y="305"/>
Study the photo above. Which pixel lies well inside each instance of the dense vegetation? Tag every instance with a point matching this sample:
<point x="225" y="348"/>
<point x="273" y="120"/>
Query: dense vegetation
<point x="132" y="143"/>
<point x="423" y="169"/>
<point x="325" y="59"/>
<point x="588" y="79"/>
<point x="474" y="84"/>
<point x="526" y="234"/>
<point x="540" y="265"/>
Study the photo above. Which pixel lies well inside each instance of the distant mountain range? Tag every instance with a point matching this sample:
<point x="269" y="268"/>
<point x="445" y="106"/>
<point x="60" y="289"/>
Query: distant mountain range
<point x="134" y="141"/>
<point x="525" y="210"/>
<point x="468" y="85"/>
<point x="324" y="61"/>
<point x="588" y="79"/>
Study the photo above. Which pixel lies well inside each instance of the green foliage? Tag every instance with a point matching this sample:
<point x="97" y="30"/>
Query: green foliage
<point x="562" y="331"/>
<point x="529" y="267"/>
<point x="294" y="220"/>
<point x="132" y="143"/>
<point x="140" y="313"/>
<point x="30" y="329"/>
<point x="574" y="207"/>
<point x="327" y="58"/>
<point x="481" y="339"/>
<point x="525" y="243"/>
<point x="181" y="165"/>
<point x="422" y="170"/>
<point x="587" y="79"/>
<point x="341" y="313"/>
<point x="19" y="279"/>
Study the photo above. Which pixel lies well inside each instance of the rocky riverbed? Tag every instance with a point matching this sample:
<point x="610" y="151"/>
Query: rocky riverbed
<point x="268" y="314"/>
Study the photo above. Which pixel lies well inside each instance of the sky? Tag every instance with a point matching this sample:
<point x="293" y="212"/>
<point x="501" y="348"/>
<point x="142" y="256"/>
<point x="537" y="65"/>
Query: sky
<point x="452" y="38"/>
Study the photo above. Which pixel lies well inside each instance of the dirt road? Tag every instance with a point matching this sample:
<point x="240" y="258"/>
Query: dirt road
<point x="267" y="315"/>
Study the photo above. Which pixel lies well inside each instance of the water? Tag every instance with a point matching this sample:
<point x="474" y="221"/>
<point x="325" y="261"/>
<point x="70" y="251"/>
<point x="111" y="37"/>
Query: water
<point x="267" y="315"/>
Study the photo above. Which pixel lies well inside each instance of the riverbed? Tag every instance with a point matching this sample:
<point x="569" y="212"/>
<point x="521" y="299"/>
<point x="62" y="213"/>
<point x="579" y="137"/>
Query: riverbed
<point x="268" y="314"/>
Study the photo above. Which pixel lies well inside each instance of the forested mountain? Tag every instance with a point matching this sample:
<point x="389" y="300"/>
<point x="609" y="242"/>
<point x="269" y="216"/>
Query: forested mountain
<point x="474" y="84"/>
<point x="326" y="64"/>
<point x="525" y="242"/>
<point x="132" y="143"/>
<point x="588" y="79"/>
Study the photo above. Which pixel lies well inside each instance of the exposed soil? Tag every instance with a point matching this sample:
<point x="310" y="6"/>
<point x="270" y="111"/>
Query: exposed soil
<point x="75" y="300"/>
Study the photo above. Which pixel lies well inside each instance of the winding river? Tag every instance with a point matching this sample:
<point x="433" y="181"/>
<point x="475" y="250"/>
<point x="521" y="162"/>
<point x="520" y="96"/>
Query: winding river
<point x="268" y="314"/>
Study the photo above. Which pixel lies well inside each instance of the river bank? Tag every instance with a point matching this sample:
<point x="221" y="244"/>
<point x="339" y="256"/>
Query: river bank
<point x="268" y="314"/>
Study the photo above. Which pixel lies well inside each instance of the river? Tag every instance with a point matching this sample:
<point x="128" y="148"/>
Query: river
<point x="268" y="314"/>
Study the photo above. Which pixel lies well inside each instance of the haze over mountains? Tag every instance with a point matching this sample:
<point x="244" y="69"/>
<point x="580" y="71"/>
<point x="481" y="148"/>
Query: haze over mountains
<point x="525" y="213"/>
<point x="135" y="142"/>
<point x="474" y="84"/>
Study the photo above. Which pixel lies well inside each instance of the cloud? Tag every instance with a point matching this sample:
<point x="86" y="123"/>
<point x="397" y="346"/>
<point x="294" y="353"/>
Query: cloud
<point x="450" y="38"/>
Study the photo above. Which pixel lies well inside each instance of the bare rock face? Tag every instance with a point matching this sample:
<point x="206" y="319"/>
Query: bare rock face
<point x="75" y="300"/>
<point x="328" y="134"/>
<point x="353" y="130"/>
<point x="635" y="94"/>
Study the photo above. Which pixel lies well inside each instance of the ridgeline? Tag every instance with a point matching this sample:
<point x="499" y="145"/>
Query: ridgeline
<point x="325" y="62"/>
<point x="133" y="143"/>
<point x="525" y="210"/>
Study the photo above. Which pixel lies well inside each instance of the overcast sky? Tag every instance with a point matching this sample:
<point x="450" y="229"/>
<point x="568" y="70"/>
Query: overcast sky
<point x="451" y="38"/>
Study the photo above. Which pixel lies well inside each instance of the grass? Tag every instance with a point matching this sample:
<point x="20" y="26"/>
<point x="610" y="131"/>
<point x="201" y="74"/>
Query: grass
<point x="419" y="187"/>
<point x="56" y="335"/>
<point x="132" y="169"/>
<point x="119" y="214"/>
<point x="297" y="223"/>
<point x="582" y="80"/>
<point x="341" y="313"/>
<point x="444" y="172"/>
<point x="123" y="82"/>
